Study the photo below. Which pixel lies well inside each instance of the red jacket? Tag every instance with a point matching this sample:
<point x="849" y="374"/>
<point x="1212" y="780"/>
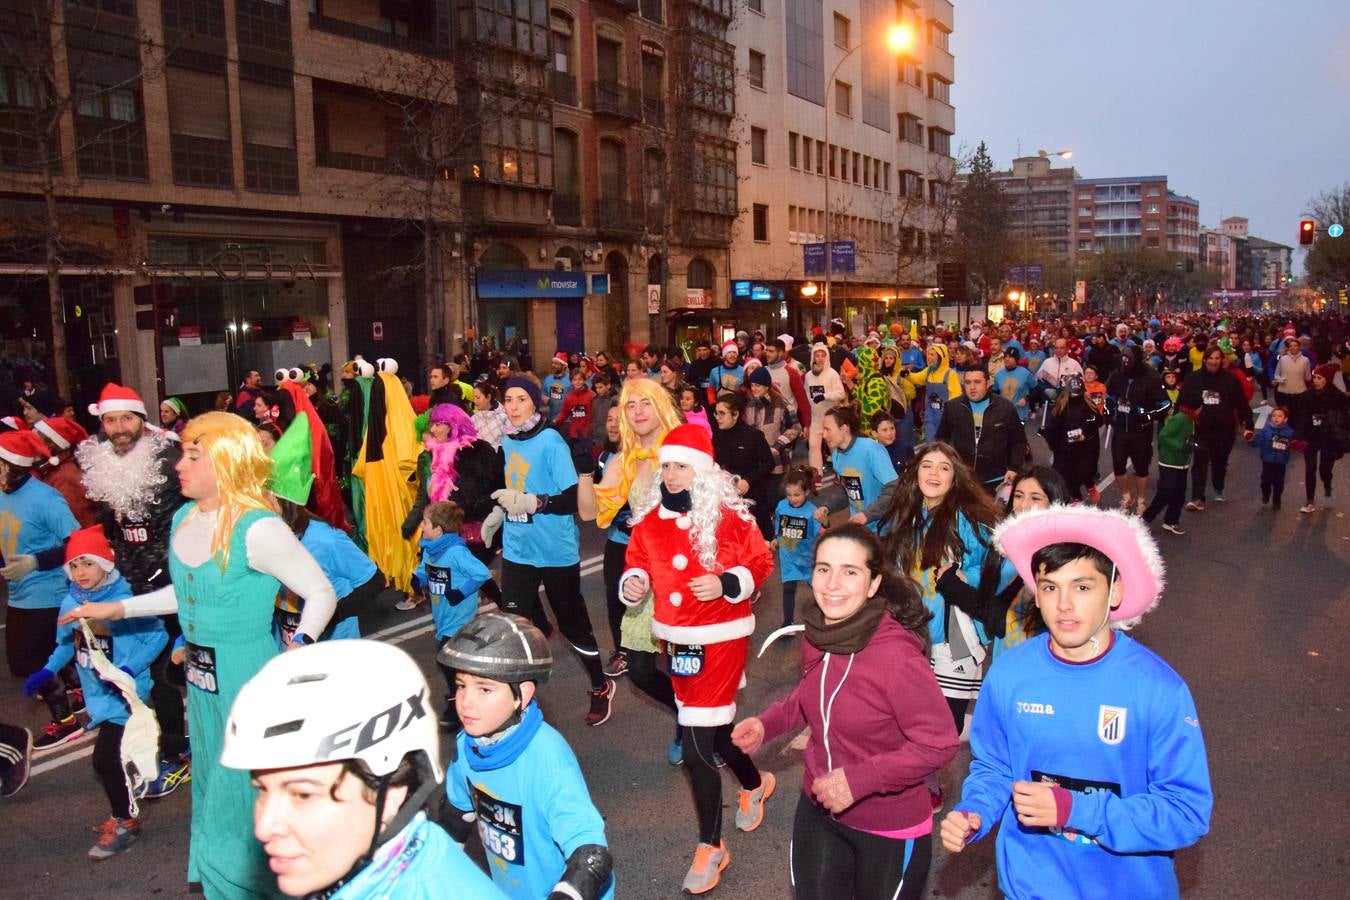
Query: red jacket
<point x="661" y="549"/>
<point x="66" y="478"/>
<point x="889" y="726"/>
<point x="575" y="415"/>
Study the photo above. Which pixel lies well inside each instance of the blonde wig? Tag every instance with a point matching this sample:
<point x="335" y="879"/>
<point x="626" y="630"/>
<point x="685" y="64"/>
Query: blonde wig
<point x="610" y="500"/>
<point x="241" y="468"/>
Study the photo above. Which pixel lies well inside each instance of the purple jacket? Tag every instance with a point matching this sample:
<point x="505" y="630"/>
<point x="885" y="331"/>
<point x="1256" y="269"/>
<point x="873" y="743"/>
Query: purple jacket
<point x="888" y="726"/>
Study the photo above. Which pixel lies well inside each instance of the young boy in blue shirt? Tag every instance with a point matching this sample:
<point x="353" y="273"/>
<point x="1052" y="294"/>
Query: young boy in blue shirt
<point x="514" y="775"/>
<point x="1087" y="746"/>
<point x="450" y="576"/>
<point x="1275" y="441"/>
<point x="129" y="644"/>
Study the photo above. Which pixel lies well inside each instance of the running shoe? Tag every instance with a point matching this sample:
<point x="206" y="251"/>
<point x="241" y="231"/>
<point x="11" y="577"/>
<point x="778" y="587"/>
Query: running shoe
<point x="1307" y="509"/>
<point x="54" y="734"/>
<point x="675" y="753"/>
<point x="750" y="804"/>
<point x="602" y="703"/>
<point x="16" y="758"/>
<point x="1173" y="529"/>
<point x="173" y="774"/>
<point x="1094" y="495"/>
<point x="1220" y="498"/>
<point x="115" y="836"/>
<point x="76" y="698"/>
<point x="410" y="602"/>
<point x="1196" y="506"/>
<point x="617" y="666"/>
<point x="709" y="861"/>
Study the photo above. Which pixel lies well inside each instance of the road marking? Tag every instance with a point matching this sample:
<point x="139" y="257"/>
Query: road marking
<point x="1106" y="482"/>
<point x="394" y="634"/>
<point x="1261" y="419"/>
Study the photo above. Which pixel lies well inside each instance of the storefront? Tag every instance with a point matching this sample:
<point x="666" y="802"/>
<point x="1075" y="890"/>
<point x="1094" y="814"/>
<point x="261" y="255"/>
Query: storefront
<point x="514" y="303"/>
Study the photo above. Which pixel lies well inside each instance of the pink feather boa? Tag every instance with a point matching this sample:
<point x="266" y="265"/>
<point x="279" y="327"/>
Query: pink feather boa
<point x="443" y="455"/>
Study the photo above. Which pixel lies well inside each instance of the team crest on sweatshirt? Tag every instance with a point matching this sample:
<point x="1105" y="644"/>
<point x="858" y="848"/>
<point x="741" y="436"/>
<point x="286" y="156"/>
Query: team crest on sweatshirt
<point x="1111" y="724"/>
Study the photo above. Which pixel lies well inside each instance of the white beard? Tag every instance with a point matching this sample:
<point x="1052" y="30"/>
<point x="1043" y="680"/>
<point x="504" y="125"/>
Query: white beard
<point x="128" y="483"/>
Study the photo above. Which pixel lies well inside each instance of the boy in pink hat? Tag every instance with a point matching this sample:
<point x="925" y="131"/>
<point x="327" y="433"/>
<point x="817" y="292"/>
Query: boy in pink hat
<point x="1087" y="746"/>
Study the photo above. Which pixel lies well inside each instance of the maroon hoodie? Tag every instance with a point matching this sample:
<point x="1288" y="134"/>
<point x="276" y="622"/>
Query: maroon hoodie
<point x="889" y="726"/>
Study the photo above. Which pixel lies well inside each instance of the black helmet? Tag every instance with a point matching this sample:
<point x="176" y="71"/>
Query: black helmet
<point x="501" y="647"/>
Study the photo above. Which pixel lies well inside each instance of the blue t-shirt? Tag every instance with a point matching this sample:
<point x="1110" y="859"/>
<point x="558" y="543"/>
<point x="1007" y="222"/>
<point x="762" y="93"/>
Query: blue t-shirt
<point x="615" y="530"/>
<point x="419" y="863"/>
<point x="1120" y="733"/>
<point x="725" y="378"/>
<point x="532" y="813"/>
<point x="555" y="388"/>
<point x="863" y="469"/>
<point x="913" y="357"/>
<point x="540" y="465"/>
<point x="452" y="576"/>
<point x="796" y="529"/>
<point x="1015" y="385"/>
<point x="342" y="561"/>
<point x="1034" y="360"/>
<point x="32" y="519"/>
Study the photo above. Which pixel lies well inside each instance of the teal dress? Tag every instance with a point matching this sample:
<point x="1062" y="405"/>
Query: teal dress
<point x="227" y="625"/>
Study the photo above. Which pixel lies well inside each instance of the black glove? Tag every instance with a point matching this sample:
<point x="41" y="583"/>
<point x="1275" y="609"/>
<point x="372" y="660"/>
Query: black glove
<point x="583" y="456"/>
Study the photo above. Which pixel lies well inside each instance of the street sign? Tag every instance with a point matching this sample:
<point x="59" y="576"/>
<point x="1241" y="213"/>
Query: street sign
<point x="1025" y="274"/>
<point x="843" y="257"/>
<point x="1336" y="230"/>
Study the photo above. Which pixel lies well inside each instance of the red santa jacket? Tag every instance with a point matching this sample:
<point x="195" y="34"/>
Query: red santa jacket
<point x="661" y="550"/>
<point x="66" y="478"/>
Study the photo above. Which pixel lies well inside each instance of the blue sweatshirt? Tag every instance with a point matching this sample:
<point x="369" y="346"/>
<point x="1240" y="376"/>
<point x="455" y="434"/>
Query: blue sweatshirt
<point x="533" y="810"/>
<point x="419" y="863"/>
<point x="796" y="529"/>
<point x="864" y="468"/>
<point x="1122" y="735"/>
<point x="32" y="519"/>
<point x="130" y="644"/>
<point x="452" y="575"/>
<point x="1273" y="442"/>
<point x="540" y="464"/>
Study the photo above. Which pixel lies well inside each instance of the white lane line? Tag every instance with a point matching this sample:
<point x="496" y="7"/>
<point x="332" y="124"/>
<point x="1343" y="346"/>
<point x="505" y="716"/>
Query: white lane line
<point x="395" y="634"/>
<point x="1261" y="419"/>
<point x="1106" y="482"/>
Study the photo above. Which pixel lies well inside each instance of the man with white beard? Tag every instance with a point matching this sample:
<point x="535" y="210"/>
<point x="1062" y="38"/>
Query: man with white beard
<point x="129" y="474"/>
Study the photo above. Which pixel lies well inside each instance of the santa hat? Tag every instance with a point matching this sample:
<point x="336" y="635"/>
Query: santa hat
<point x="90" y="542"/>
<point x="729" y="346"/>
<point x="116" y="398"/>
<point x="61" y="432"/>
<point x="23" y="448"/>
<point x="560" y="357"/>
<point x="688" y="444"/>
<point x="15" y="423"/>
<point x="788" y="340"/>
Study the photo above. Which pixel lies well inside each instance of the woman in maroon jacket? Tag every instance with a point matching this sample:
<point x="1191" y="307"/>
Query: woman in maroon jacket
<point x="879" y="726"/>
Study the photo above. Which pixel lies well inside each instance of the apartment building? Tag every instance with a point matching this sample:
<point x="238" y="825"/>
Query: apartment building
<point x="1253" y="263"/>
<point x="886" y="152"/>
<point x="1120" y="214"/>
<point x="1040" y="203"/>
<point x="1217" y="250"/>
<point x="253" y="183"/>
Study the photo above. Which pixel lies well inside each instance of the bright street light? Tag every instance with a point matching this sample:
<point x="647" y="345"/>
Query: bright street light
<point x="899" y="38"/>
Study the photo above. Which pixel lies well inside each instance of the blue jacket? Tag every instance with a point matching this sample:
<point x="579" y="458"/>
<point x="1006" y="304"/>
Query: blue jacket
<point x="1121" y="734"/>
<point x="130" y="644"/>
<point x="452" y="576"/>
<point x="1273" y="442"/>
<point x="34" y="518"/>
<point x="419" y="863"/>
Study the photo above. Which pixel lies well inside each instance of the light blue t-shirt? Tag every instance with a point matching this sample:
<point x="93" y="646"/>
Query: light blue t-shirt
<point x="555" y="388"/>
<point x="32" y="519"/>
<point x="452" y="576"/>
<point x="796" y="529"/>
<point x="1015" y="385"/>
<point x="863" y="469"/>
<point x="341" y="560"/>
<point x="540" y="465"/>
<point x="726" y="378"/>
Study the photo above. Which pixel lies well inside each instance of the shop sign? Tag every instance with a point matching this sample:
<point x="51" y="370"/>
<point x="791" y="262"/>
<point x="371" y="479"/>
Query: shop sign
<point x="189" y="336"/>
<point x="599" y="283"/>
<point x="245" y="265"/>
<point x="698" y="298"/>
<point x="300" y="331"/>
<point x="653" y="299"/>
<point x="542" y="283"/>
<point x="755" y="290"/>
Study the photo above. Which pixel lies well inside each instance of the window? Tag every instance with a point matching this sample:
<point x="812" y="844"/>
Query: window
<point x="1152" y="192"/>
<point x="1153" y="209"/>
<point x="939" y="89"/>
<point x="832" y="158"/>
<point x="755" y="6"/>
<point x="911" y="184"/>
<point x="909" y="73"/>
<point x="756" y="69"/>
<point x="613" y="170"/>
<point x="937" y="36"/>
<point x="1085" y="210"/>
<point x="560" y="25"/>
<point x="806" y="154"/>
<point x="651" y="11"/>
<point x="843" y="98"/>
<point x="856" y="157"/>
<point x="518" y="142"/>
<point x="760" y="218"/>
<point x="792" y="149"/>
<point x="264" y="25"/>
<point x="910" y="128"/>
<point x="840" y="31"/>
<point x="654" y="187"/>
<point x="759" y="154"/>
<point x="1152" y="226"/>
<point x="820" y="158"/>
<point x="199" y="128"/>
<point x="939" y="141"/>
<point x="522" y="27"/>
<point x="15" y="89"/>
<point x="1152" y="243"/>
<point x="204" y="18"/>
<point x="886" y="177"/>
<point x="700" y="273"/>
<point x="867" y="171"/>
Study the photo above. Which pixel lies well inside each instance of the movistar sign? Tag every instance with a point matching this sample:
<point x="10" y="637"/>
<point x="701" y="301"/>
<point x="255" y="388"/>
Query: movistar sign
<point x="501" y="283"/>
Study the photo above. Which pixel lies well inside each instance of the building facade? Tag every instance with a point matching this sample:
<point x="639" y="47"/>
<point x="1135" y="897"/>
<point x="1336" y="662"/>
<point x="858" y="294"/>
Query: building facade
<point x="1040" y="204"/>
<point x="1134" y="213"/>
<point x="885" y="151"/>
<point x="1253" y="263"/>
<point x="1217" y="250"/>
<point x="245" y="184"/>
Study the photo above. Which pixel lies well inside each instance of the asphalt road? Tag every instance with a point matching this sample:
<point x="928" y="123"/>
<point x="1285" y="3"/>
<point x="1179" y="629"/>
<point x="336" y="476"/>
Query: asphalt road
<point x="1255" y="618"/>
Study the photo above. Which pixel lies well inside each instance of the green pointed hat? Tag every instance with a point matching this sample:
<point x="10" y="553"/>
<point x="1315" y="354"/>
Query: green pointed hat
<point x="292" y="467"/>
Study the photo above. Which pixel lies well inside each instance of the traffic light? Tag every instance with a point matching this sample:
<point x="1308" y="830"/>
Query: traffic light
<point x="1307" y="230"/>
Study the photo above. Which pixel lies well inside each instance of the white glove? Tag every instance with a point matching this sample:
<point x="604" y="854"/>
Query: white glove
<point x="19" y="565"/>
<point x="491" y="525"/>
<point x="517" y="503"/>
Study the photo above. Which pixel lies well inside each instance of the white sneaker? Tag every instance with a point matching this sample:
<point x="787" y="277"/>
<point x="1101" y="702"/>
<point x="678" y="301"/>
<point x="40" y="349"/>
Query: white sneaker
<point x="1307" y="509"/>
<point x="1173" y="529"/>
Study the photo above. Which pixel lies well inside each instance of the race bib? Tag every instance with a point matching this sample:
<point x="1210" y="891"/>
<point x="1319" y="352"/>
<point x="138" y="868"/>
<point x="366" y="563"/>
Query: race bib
<point x="520" y="518"/>
<point x="1074" y="435"/>
<point x="501" y="827"/>
<point x="556" y="391"/>
<point x="817" y="393"/>
<point x="1279" y="444"/>
<point x="1209" y="398"/>
<point x="136" y="534"/>
<point x="288" y="623"/>
<point x="791" y="528"/>
<point x="84" y="657"/>
<point x="1318" y="421"/>
<point x="578" y="412"/>
<point x="438" y="581"/>
<point x="200" y="668"/>
<point x="685" y="659"/>
<point x="935" y="404"/>
<point x="852" y="488"/>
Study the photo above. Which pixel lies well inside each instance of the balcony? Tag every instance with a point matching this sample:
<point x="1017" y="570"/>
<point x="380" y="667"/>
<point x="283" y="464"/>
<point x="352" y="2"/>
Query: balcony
<point x="621" y="217"/>
<point x="609" y="98"/>
<point x="352" y="162"/>
<point x="566" y="209"/>
<point x="563" y="87"/>
<point x="625" y="5"/>
<point x="318" y="22"/>
<point x="654" y="111"/>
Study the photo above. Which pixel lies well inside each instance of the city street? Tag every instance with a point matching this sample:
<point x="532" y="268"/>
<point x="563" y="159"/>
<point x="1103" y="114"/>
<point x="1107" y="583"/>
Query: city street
<point x="1254" y="618"/>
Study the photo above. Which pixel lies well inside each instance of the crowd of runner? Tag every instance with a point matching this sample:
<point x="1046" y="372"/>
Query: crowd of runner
<point x="939" y="495"/>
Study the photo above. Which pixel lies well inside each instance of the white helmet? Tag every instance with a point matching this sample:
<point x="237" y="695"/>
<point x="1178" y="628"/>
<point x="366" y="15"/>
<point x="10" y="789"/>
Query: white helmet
<point x="333" y="701"/>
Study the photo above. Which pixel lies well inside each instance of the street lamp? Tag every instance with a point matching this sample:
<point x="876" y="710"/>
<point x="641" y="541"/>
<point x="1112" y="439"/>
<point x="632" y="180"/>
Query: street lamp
<point x="898" y="38"/>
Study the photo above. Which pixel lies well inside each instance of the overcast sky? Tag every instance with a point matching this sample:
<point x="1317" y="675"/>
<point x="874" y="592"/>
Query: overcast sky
<point x="1243" y="104"/>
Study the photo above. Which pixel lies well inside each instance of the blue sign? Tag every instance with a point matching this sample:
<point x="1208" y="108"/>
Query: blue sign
<point x="1025" y="275"/>
<point x="1335" y="230"/>
<point x="516" y="283"/>
<point x="600" y="283"/>
<point x="843" y="257"/>
<point x="756" y="290"/>
<point x="740" y="289"/>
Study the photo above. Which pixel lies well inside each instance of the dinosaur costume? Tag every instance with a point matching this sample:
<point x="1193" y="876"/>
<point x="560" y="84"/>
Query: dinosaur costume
<point x="385" y="466"/>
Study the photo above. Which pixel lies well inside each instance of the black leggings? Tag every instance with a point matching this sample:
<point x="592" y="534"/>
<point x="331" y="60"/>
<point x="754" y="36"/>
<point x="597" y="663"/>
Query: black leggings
<point x="360" y="603"/>
<point x="166" y="696"/>
<point x="108" y="767"/>
<point x="562" y="586"/>
<point x="833" y="861"/>
<point x="958" y="707"/>
<point x="30" y="637"/>
<point x="615" y="554"/>
<point x="646" y="674"/>
<point x="1315" y="463"/>
<point x="700" y="743"/>
<point x="1211" y="450"/>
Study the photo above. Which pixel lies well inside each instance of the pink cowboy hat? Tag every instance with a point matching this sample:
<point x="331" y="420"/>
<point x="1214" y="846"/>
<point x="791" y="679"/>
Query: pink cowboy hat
<point x="1124" y="538"/>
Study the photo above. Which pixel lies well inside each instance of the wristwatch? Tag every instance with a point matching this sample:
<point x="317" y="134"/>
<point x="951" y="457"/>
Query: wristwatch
<point x="302" y="639"/>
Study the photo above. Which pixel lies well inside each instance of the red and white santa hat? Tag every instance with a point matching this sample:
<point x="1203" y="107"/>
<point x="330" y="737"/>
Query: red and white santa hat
<point x="62" y="432"/>
<point x="116" y="398"/>
<point x="729" y="346"/>
<point x="15" y="423"/>
<point x="561" y="357"/>
<point x="688" y="444"/>
<point x="23" y="448"/>
<point x="90" y="542"/>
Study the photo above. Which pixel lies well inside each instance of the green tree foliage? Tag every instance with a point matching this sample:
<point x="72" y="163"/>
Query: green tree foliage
<point x="982" y="240"/>
<point x="1328" y="262"/>
<point x="1144" y="279"/>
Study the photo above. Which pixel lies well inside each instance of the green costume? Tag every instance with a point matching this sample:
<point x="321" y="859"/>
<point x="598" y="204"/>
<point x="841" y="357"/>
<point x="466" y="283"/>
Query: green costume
<point x="227" y="624"/>
<point x="870" y="391"/>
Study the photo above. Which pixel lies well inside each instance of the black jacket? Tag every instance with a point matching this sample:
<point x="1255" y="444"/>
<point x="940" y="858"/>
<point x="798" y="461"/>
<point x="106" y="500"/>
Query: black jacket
<point x="142" y="545"/>
<point x="744" y="452"/>
<point x="1001" y="444"/>
<point x="1219" y="397"/>
<point x="1136" y="400"/>
<point x="1104" y="358"/>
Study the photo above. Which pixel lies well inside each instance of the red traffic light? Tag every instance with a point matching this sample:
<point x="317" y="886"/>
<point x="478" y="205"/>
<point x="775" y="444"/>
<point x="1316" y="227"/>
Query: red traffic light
<point x="1307" y="230"/>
